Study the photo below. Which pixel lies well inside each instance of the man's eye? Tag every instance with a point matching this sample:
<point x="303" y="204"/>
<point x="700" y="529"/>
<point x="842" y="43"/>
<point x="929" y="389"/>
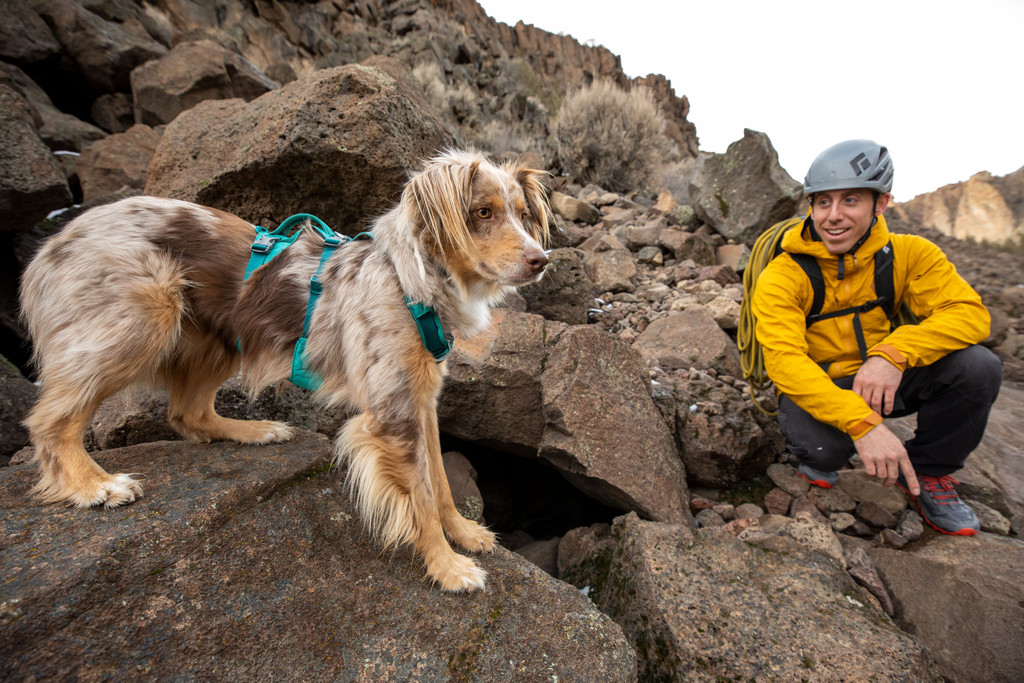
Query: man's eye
<point x="483" y="213"/>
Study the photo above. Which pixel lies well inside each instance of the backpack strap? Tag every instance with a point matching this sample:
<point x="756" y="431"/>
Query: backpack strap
<point x="810" y="266"/>
<point x="885" y="289"/>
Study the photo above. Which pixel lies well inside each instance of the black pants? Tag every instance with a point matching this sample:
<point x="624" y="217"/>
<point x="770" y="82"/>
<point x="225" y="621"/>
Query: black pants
<point x="952" y="398"/>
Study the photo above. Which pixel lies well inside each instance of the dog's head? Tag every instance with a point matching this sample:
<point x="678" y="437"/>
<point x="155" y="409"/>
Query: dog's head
<point x="487" y="223"/>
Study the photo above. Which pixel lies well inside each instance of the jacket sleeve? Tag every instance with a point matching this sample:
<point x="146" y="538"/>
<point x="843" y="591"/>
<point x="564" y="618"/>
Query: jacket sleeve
<point x="781" y="302"/>
<point x="951" y="312"/>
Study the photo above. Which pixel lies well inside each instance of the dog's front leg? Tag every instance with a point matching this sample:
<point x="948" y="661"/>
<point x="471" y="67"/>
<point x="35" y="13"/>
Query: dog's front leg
<point x="393" y="484"/>
<point x="465" y="532"/>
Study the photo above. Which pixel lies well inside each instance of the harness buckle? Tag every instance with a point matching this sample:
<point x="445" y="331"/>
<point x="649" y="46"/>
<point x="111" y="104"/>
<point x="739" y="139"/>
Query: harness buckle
<point x="264" y="243"/>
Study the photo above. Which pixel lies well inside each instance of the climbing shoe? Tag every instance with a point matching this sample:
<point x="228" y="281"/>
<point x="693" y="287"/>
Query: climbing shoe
<point x="825" y="480"/>
<point x="941" y="507"/>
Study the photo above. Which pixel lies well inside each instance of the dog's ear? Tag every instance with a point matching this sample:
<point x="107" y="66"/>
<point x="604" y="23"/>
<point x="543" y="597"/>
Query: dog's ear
<point x="439" y="197"/>
<point x="532" y="182"/>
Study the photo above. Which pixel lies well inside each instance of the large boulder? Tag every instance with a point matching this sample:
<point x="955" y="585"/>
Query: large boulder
<point x="722" y="437"/>
<point x="17" y="395"/>
<point x="190" y="73"/>
<point x="116" y="161"/>
<point x="31" y="181"/>
<point x="141" y="417"/>
<point x="565" y="291"/>
<point x="101" y="52"/>
<point x="744" y="191"/>
<point x="58" y="130"/>
<point x="249" y="562"/>
<point x="573" y="396"/>
<point x="964" y="600"/>
<point x="339" y="144"/>
<point x="493" y="390"/>
<point x="603" y="431"/>
<point x="689" y="339"/>
<point x="704" y="605"/>
<point x="24" y="36"/>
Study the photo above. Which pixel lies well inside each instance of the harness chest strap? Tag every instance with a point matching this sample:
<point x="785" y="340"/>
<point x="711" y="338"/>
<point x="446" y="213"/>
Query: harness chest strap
<point x="269" y="244"/>
<point x="884" y="288"/>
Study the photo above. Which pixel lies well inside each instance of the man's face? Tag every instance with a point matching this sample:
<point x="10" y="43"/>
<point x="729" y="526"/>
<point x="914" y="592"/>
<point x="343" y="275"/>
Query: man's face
<point x="842" y="217"/>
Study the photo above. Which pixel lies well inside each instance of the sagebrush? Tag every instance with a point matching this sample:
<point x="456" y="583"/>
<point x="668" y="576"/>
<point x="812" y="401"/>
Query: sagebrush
<point x="611" y="137"/>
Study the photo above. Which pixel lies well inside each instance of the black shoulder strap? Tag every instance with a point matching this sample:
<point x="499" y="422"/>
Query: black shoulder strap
<point x="885" y="289"/>
<point x="810" y="266"/>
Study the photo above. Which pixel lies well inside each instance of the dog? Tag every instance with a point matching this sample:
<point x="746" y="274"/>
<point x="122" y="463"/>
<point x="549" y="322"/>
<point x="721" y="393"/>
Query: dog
<point x="149" y="291"/>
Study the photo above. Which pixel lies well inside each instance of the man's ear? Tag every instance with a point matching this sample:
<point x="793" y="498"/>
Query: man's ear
<point x="883" y="203"/>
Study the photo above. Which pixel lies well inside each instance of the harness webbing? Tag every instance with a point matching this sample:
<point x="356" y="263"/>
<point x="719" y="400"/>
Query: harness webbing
<point x="269" y="244"/>
<point x="884" y="287"/>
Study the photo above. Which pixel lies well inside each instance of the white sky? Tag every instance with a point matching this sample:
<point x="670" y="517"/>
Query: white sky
<point x="939" y="82"/>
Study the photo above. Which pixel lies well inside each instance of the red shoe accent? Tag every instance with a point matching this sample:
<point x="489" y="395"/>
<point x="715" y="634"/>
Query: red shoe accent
<point x="817" y="482"/>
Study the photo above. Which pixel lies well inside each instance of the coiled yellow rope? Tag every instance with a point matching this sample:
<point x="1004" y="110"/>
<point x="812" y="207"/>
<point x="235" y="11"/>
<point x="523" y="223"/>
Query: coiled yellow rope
<point x="751" y="356"/>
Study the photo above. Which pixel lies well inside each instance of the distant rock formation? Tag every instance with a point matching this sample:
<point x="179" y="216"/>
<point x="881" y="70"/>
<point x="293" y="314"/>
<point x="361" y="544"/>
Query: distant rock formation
<point x="985" y="208"/>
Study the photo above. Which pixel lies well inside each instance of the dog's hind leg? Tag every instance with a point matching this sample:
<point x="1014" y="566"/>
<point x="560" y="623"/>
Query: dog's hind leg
<point x="465" y="532"/>
<point x="391" y="479"/>
<point x="67" y="472"/>
<point x="202" y="364"/>
<point x="107" y="345"/>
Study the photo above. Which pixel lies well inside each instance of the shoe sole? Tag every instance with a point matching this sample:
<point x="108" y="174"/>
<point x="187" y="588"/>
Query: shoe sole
<point x="960" y="532"/>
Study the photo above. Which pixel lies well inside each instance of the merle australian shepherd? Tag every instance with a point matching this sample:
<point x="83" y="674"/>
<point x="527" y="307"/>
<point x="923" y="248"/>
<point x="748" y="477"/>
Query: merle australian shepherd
<point x="149" y="291"/>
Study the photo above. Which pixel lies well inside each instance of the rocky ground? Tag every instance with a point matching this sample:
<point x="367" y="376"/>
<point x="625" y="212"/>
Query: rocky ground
<point x="602" y="425"/>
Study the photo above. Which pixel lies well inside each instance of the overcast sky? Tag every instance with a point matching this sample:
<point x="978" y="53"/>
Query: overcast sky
<point x="939" y="82"/>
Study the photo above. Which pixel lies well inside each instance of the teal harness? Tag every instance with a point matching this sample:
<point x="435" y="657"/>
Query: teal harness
<point x="269" y="244"/>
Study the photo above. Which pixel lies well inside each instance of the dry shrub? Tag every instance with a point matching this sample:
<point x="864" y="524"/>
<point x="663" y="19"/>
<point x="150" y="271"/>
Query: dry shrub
<point x="611" y="137"/>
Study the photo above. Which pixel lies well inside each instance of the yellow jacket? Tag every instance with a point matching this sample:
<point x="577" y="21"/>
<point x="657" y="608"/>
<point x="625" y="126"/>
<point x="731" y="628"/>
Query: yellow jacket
<point x="951" y="312"/>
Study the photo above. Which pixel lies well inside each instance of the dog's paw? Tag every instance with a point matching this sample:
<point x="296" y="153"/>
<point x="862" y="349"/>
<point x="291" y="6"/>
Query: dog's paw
<point x="471" y="536"/>
<point x="277" y="432"/>
<point x="457" y="573"/>
<point x="262" y="432"/>
<point x="116" y="490"/>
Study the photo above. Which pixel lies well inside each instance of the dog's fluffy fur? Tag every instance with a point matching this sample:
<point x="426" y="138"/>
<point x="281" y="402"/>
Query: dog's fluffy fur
<point x="150" y="291"/>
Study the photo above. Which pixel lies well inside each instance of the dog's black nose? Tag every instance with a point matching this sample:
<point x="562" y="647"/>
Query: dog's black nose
<point x="536" y="260"/>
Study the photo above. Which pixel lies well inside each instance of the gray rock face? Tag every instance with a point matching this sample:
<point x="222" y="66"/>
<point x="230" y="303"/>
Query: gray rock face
<point x="574" y="397"/>
<point x="31" y="181"/>
<point x="603" y="431"/>
<point x="116" y="161"/>
<point x="565" y="293"/>
<point x="703" y="605"/>
<point x="339" y="144"/>
<point x="744" y="191"/>
<point x="964" y="600"/>
<point x="250" y="563"/>
<point x="16" y="397"/>
<point x="190" y="73"/>
<point x="103" y="52"/>
<point x="689" y="339"/>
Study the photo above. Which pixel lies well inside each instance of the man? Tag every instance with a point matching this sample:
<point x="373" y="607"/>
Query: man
<point x="839" y="375"/>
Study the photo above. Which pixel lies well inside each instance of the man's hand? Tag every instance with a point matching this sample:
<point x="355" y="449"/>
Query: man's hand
<point x="885" y="457"/>
<point x="876" y="382"/>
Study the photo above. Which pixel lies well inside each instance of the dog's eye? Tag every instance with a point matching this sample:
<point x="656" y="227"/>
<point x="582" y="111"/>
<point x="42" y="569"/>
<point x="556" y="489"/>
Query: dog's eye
<point x="525" y="217"/>
<point x="483" y="213"/>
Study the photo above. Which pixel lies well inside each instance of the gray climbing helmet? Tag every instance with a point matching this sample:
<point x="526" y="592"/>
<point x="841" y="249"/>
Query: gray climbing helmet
<point x="848" y="165"/>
